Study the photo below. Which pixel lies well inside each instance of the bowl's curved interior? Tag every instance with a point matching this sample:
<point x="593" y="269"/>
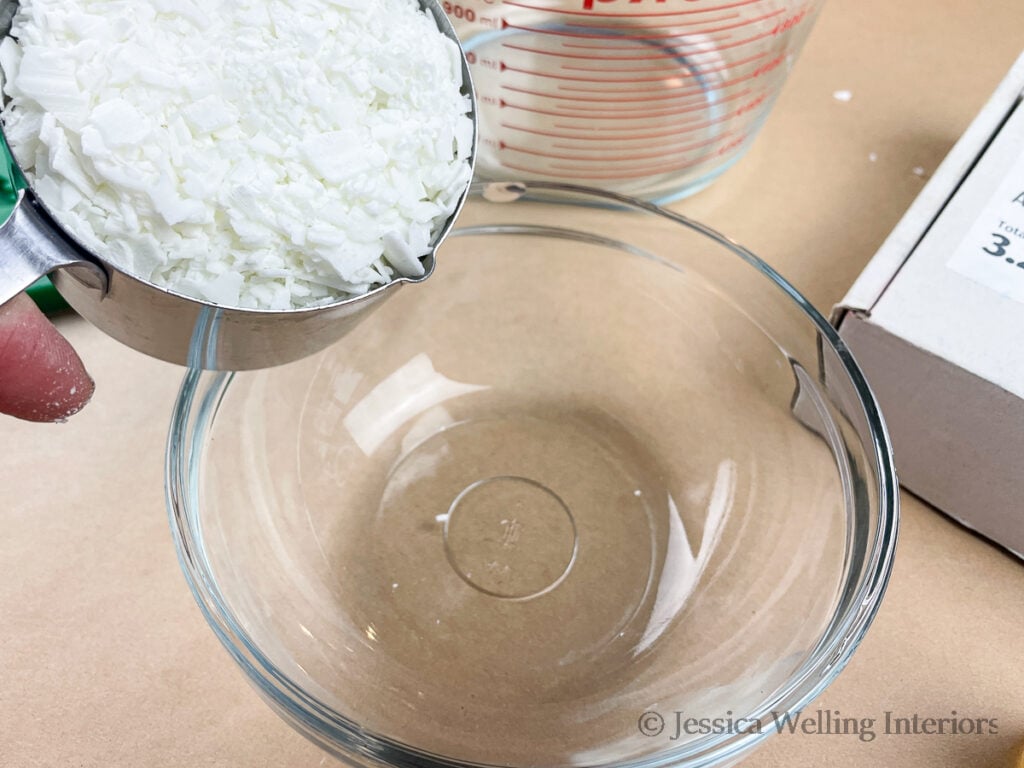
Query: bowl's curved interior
<point x="602" y="464"/>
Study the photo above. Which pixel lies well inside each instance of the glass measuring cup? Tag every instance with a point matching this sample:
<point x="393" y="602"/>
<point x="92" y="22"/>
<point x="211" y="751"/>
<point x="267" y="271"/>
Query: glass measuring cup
<point x="169" y="325"/>
<point x="650" y="98"/>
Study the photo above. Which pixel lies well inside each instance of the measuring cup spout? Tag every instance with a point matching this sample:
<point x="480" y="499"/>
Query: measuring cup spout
<point x="32" y="247"/>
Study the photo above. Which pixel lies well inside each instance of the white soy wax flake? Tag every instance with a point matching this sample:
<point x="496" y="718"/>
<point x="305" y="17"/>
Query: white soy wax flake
<point x="119" y="123"/>
<point x="255" y="153"/>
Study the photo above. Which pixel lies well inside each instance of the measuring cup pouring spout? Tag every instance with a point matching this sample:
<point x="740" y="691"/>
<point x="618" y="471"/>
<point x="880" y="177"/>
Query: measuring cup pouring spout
<point x="171" y="326"/>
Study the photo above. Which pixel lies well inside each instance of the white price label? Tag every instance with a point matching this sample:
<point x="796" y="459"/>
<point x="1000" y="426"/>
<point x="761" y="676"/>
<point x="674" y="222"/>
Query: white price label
<point x="992" y="253"/>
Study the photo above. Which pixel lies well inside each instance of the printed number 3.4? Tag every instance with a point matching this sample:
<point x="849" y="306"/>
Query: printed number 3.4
<point x="998" y="248"/>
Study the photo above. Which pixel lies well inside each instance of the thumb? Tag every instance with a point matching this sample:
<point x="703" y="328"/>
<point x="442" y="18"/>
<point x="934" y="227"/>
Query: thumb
<point x="41" y="376"/>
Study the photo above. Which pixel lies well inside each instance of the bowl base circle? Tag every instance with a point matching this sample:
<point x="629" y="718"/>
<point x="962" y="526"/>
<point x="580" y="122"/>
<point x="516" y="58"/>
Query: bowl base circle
<point x="510" y="537"/>
<point x="489" y="527"/>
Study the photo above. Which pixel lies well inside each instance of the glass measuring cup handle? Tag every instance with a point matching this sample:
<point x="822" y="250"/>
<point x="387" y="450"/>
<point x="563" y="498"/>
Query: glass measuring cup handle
<point x="31" y="247"/>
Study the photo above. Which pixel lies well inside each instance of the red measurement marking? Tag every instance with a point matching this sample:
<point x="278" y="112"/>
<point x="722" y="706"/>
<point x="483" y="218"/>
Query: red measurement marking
<point x="673" y="72"/>
<point x="751" y="106"/>
<point x="730" y="146"/>
<point x="672" y="95"/>
<point x="612" y="38"/>
<point x="663" y="151"/>
<point x="591" y="116"/>
<point x="699" y="104"/>
<point x="766" y="68"/>
<point x="577" y="111"/>
<point x="620" y="26"/>
<point x="605" y="137"/>
<point x="585" y="31"/>
<point x="680" y="127"/>
<point x="616" y="100"/>
<point x="569" y="172"/>
<point x="649" y="57"/>
<point x="548" y="172"/>
<point x="663" y="94"/>
<point x="684" y="81"/>
<point x="580" y="158"/>
<point x="646" y="115"/>
<point x="658" y="75"/>
<point x="652" y="170"/>
<point x="536" y="73"/>
<point x="681" y="54"/>
<point x="562" y="12"/>
<point x="609" y="133"/>
<point x="790" y="23"/>
<point x="668" y="148"/>
<point x="537" y="171"/>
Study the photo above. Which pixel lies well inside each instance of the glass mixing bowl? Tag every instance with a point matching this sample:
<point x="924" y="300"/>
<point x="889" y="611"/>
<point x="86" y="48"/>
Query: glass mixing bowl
<point x="605" y="490"/>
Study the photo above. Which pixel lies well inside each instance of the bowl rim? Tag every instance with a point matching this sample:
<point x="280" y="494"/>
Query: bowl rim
<point x="345" y="738"/>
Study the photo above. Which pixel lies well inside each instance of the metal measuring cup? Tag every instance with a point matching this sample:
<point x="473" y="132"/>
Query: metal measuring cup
<point x="169" y="325"/>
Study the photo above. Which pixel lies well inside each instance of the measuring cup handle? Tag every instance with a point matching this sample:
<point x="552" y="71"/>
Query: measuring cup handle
<point x="31" y="247"/>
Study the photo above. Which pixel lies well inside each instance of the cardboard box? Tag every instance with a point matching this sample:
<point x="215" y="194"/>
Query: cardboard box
<point x="936" y="320"/>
